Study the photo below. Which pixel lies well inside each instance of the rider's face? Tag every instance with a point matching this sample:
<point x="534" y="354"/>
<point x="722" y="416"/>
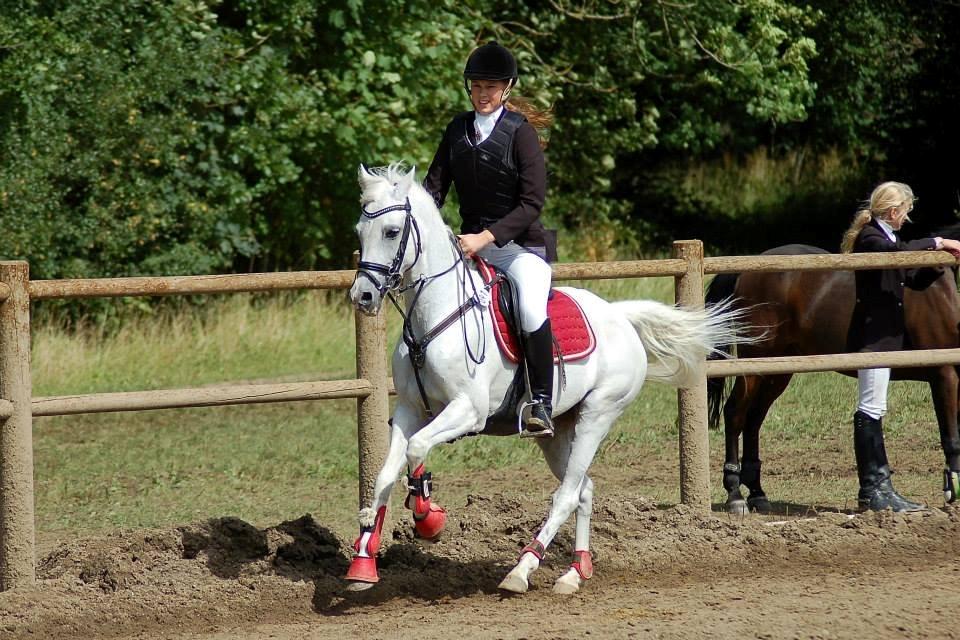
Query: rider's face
<point x="487" y="95"/>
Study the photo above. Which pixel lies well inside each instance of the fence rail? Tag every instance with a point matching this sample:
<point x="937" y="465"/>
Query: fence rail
<point x="200" y="397"/>
<point x="372" y="385"/>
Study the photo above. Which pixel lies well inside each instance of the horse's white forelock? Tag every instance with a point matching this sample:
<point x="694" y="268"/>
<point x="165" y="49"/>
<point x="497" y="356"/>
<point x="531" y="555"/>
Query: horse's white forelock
<point x="386" y="180"/>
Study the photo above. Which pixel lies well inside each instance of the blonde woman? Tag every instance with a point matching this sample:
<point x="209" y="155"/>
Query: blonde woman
<point x="878" y="325"/>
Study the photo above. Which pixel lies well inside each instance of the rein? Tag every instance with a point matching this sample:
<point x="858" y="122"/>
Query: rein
<point x="392" y="277"/>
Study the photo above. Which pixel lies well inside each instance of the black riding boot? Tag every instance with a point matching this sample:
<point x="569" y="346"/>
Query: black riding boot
<point x="538" y="351"/>
<point x="876" y="489"/>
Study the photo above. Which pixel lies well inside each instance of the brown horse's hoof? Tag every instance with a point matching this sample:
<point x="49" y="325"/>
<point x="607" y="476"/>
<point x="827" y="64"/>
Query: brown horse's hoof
<point x="737" y="507"/>
<point x="760" y="504"/>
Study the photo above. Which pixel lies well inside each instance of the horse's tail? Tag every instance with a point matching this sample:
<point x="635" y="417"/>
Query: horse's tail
<point x="677" y="340"/>
<point x="721" y="288"/>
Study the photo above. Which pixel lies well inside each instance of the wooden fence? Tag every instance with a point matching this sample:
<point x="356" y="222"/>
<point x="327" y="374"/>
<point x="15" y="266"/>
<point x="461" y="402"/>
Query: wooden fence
<point x="371" y="386"/>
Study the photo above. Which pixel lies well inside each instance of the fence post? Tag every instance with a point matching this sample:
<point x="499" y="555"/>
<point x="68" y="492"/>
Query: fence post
<point x="692" y="401"/>
<point x="373" y="411"/>
<point x="17" y="535"/>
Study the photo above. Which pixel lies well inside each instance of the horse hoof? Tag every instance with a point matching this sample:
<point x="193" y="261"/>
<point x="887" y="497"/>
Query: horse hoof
<point x="738" y="507"/>
<point x="355" y="587"/>
<point x="565" y="587"/>
<point x="759" y="504"/>
<point x="514" y="584"/>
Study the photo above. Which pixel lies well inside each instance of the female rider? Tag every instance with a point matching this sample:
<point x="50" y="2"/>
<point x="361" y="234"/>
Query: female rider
<point x="493" y="156"/>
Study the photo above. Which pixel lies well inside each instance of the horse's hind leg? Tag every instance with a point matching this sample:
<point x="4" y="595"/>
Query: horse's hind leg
<point x="769" y="389"/>
<point x="556" y="451"/>
<point x="745" y="411"/>
<point x="944" y="387"/>
<point x="574" y="493"/>
<point x="581" y="568"/>
<point x="734" y="416"/>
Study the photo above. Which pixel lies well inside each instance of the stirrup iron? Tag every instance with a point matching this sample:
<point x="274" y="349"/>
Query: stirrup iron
<point x="523" y="428"/>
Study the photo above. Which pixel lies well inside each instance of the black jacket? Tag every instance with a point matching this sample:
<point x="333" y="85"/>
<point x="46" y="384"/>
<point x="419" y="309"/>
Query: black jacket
<point x="878" y="318"/>
<point x="520" y="221"/>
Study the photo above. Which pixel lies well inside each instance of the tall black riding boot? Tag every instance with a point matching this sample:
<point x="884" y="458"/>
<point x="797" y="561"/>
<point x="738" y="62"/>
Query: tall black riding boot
<point x="538" y="350"/>
<point x="876" y="489"/>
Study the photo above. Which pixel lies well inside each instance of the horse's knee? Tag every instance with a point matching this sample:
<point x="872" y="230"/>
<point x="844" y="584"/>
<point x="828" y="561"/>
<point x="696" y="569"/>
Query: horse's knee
<point x="417" y="448"/>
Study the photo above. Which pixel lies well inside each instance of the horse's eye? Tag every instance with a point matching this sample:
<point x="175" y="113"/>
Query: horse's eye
<point x="392" y="233"/>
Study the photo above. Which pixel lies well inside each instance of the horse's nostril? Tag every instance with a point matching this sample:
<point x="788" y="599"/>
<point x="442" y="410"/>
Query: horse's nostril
<point x="366" y="297"/>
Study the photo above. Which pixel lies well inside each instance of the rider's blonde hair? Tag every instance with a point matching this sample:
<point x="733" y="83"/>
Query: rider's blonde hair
<point x="886" y="197"/>
<point x="541" y="119"/>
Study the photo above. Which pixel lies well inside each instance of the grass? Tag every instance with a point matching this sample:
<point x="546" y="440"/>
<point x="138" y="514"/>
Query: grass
<point x="268" y="463"/>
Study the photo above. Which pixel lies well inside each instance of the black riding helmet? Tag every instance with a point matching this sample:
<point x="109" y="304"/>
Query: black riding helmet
<point x="491" y="61"/>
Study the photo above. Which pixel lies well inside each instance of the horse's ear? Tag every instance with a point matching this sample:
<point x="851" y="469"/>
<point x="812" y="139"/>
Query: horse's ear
<point x="364" y="176"/>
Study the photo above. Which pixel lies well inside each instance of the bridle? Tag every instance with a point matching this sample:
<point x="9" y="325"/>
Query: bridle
<point x="393" y="276"/>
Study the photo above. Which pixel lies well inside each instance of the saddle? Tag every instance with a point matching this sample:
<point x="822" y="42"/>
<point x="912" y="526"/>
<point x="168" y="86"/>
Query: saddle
<point x="573" y="337"/>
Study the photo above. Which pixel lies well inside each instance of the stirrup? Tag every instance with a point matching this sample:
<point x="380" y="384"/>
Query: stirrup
<point x="532" y="428"/>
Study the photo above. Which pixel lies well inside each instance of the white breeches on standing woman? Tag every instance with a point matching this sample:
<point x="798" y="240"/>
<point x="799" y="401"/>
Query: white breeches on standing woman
<point x="872" y="387"/>
<point x="530" y="274"/>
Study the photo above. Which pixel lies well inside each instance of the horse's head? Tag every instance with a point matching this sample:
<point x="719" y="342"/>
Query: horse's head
<point x="390" y="237"/>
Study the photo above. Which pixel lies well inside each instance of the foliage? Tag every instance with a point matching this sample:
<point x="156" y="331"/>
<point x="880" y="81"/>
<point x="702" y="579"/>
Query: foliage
<point x="633" y="77"/>
<point x="162" y="138"/>
<point x="192" y="136"/>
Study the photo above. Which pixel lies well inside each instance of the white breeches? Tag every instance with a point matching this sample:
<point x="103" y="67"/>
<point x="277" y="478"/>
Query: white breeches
<point x="530" y="274"/>
<point x="872" y="387"/>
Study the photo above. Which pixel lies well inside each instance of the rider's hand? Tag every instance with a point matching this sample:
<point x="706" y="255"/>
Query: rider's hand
<point x="953" y="246"/>
<point x="470" y="243"/>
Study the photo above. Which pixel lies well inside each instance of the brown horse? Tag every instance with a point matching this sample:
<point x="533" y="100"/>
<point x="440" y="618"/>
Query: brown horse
<point x="808" y="313"/>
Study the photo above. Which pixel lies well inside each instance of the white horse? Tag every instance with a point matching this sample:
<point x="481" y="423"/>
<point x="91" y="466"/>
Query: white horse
<point x="406" y="247"/>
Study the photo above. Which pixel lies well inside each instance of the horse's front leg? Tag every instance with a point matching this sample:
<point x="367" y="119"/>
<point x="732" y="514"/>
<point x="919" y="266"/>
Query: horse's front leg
<point x="458" y="418"/>
<point x="363" y="568"/>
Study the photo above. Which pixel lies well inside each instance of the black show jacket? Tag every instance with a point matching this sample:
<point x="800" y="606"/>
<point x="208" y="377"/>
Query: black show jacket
<point x="878" y="319"/>
<point x="480" y="201"/>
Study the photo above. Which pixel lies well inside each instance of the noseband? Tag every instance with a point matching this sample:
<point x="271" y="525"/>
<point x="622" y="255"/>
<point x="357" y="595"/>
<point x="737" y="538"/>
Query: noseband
<point x="392" y="275"/>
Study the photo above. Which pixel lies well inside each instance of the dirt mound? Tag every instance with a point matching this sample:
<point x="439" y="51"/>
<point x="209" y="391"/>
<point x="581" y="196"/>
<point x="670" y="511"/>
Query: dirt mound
<point x="226" y="573"/>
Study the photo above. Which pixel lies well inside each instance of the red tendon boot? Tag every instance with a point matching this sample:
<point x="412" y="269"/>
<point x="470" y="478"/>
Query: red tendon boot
<point x="428" y="518"/>
<point x="363" y="567"/>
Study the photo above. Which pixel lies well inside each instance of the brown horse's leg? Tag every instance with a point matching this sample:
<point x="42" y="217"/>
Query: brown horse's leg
<point x="768" y="389"/>
<point x="944" y="387"/>
<point x="734" y="416"/>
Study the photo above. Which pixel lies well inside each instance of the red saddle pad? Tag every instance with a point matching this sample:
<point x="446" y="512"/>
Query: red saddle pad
<point x="571" y="329"/>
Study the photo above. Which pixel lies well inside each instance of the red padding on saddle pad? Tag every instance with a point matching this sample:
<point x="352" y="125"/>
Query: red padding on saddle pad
<point x="571" y="329"/>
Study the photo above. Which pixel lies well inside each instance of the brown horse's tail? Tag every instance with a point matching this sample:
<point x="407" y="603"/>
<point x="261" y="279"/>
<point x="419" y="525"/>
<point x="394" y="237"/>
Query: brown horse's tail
<point x="721" y="289"/>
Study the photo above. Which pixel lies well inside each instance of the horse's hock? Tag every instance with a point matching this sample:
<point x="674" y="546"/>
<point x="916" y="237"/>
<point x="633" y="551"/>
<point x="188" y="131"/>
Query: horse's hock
<point x="371" y="386"/>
